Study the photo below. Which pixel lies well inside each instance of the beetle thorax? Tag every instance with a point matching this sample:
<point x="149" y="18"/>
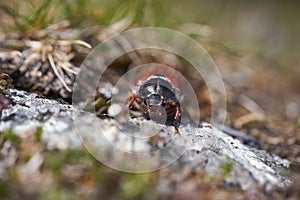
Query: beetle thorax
<point x="155" y="86"/>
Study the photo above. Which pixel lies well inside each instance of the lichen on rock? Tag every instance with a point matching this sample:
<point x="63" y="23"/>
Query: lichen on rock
<point x="207" y="150"/>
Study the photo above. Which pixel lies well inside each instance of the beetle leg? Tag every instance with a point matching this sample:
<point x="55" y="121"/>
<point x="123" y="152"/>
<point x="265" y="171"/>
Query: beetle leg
<point x="131" y="100"/>
<point x="177" y="115"/>
<point x="173" y="104"/>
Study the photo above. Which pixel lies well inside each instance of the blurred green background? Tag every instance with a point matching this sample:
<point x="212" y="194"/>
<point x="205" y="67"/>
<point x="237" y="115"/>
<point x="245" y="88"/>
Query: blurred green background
<point x="271" y="28"/>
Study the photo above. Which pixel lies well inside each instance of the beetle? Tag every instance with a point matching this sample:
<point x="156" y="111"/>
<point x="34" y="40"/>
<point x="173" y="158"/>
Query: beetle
<point x="154" y="91"/>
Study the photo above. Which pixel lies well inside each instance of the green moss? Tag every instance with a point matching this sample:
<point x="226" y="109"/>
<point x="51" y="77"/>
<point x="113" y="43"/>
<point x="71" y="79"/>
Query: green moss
<point x="38" y="134"/>
<point x="98" y="173"/>
<point x="13" y="174"/>
<point x="13" y="138"/>
<point x="221" y="174"/>
<point x="209" y="178"/>
<point x="3" y="190"/>
<point x="75" y="156"/>
<point x="226" y="167"/>
<point x="133" y="185"/>
<point x="54" y="160"/>
<point x="26" y="157"/>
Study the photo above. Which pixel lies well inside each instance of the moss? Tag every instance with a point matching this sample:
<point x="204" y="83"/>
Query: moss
<point x="209" y="178"/>
<point x="298" y="121"/>
<point x="133" y="185"/>
<point x="54" y="160"/>
<point x="4" y="190"/>
<point x="26" y="157"/>
<point x="75" y="156"/>
<point x="13" y="174"/>
<point x="38" y="134"/>
<point x="226" y="167"/>
<point x="11" y="185"/>
<point x="13" y="138"/>
<point x="98" y="173"/>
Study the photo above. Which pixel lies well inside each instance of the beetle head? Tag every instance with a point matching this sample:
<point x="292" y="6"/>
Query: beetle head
<point x="154" y="100"/>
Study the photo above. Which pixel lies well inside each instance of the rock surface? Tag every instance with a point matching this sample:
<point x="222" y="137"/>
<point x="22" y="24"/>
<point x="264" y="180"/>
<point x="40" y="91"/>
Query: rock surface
<point x="199" y="150"/>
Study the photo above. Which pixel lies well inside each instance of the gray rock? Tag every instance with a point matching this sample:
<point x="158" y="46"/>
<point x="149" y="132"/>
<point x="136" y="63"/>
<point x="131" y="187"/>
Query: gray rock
<point x="129" y="149"/>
